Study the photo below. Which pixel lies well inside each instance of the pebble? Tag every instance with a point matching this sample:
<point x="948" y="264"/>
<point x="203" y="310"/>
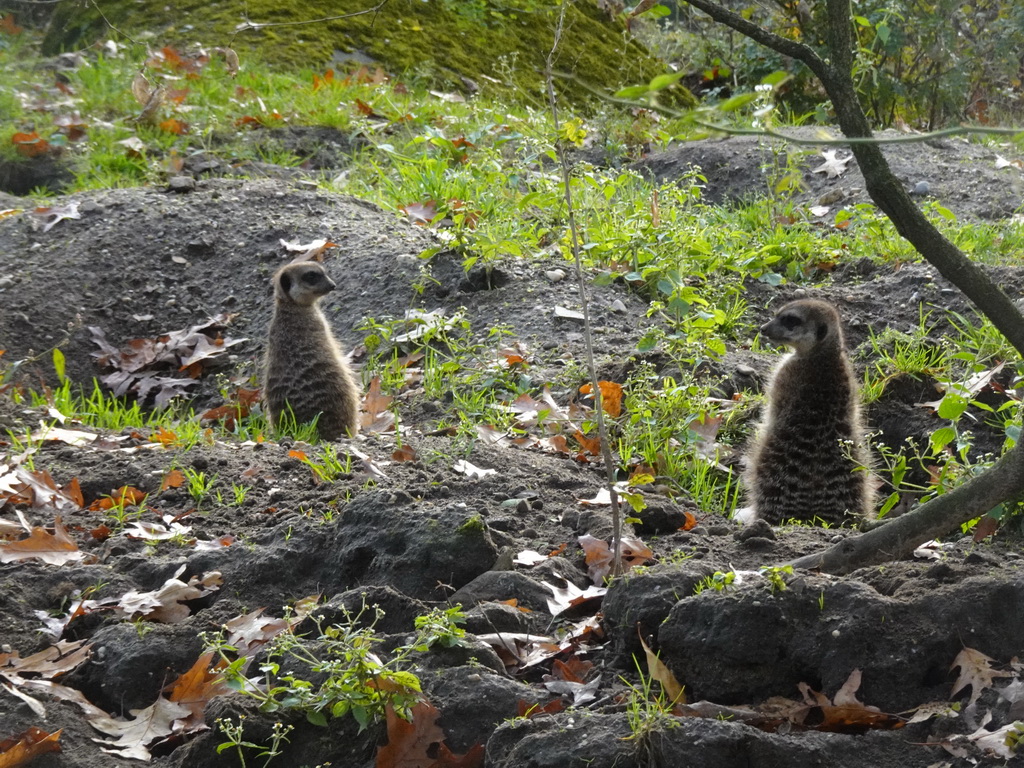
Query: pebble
<point x="181" y="184"/>
<point x="555" y="275"/>
<point x="618" y="306"/>
<point x="921" y="188"/>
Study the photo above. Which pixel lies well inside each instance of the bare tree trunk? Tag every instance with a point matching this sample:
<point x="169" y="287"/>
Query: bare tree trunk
<point x="1006" y="478"/>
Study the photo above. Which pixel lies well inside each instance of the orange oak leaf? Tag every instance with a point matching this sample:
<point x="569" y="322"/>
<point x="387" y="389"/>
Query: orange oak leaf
<point x="474" y="758"/>
<point x="611" y="396"/>
<point x="27" y="746"/>
<point x="327" y="79"/>
<point x="55" y="548"/>
<point x="408" y="741"/>
<point x="7" y="25"/>
<point x="29" y="144"/>
<point x="173" y="479"/>
<point x="196" y="687"/>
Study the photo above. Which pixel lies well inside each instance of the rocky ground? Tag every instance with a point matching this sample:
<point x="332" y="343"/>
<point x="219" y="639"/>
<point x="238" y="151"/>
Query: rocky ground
<point x="773" y="676"/>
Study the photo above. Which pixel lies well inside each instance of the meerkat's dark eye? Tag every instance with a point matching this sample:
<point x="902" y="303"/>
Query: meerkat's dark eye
<point x="286" y="283"/>
<point x="789" y="322"/>
<point x="311" y="278"/>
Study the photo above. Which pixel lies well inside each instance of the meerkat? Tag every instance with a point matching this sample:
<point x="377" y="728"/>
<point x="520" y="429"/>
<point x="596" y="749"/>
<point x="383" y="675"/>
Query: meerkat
<point x="808" y="460"/>
<point x="304" y="369"/>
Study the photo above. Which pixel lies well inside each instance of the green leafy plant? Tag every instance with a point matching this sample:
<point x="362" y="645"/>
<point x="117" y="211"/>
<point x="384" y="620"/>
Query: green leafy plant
<point x="647" y="712"/>
<point x="198" y="484"/>
<point x="775" y="576"/>
<point x="232" y="731"/>
<point x="719" y="581"/>
<point x="441" y="627"/>
<point x="352" y="674"/>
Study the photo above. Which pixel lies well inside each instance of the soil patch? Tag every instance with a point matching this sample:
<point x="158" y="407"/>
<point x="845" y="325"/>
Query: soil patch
<point x="415" y="534"/>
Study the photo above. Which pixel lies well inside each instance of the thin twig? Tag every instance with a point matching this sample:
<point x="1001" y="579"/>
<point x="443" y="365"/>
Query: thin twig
<point x="957" y="130"/>
<point x="109" y="24"/>
<point x="263" y="25"/>
<point x="563" y="164"/>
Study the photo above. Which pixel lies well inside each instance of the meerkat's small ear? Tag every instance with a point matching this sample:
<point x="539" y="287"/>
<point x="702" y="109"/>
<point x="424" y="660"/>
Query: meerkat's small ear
<point x="286" y="282"/>
<point x="822" y="330"/>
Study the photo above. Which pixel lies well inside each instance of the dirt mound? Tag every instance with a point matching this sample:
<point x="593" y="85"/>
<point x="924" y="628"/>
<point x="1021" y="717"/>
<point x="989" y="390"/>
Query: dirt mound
<point x="408" y="535"/>
<point x="973" y="181"/>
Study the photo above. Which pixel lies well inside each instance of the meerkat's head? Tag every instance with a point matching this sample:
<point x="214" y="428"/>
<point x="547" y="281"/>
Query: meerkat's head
<point x="301" y="283"/>
<point x="805" y="325"/>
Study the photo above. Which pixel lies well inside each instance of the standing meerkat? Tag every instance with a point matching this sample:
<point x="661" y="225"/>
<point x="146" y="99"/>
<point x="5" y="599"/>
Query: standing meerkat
<point x="808" y="459"/>
<point x="304" y="368"/>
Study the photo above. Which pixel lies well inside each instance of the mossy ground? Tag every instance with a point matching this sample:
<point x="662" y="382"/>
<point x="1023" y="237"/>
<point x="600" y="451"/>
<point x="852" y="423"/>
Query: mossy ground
<point x="496" y="50"/>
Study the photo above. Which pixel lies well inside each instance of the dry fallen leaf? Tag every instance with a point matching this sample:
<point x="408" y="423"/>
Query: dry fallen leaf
<point x="195" y="688"/>
<point x="147" y="726"/>
<point x="55" y="548"/>
<point x="570" y="596"/>
<point x="404" y="453"/>
<point x="472" y="471"/>
<point x="975" y="671"/>
<point x="598" y="556"/>
<point x="27" y="746"/>
<point x="165" y="604"/>
<point x="408" y="742"/>
<point x="173" y="479"/>
<point x="54" y="661"/>
<point x="46" y="218"/>
<point x="529" y="557"/>
<point x="834" y="166"/>
<point x="657" y="669"/>
<point x="611" y="396"/>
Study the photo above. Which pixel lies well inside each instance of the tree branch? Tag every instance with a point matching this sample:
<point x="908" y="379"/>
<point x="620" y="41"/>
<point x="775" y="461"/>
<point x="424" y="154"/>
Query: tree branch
<point x="902" y="535"/>
<point x="786" y="47"/>
<point x="1006" y="478"/>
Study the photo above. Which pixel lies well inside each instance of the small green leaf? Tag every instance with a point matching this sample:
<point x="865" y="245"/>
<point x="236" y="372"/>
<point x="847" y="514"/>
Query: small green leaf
<point x="940" y="438"/>
<point x="952" y="406"/>
<point x="632" y="92"/>
<point x="776" y="79"/>
<point x="573" y="131"/>
<point x="58" y="364"/>
<point x="737" y="101"/>
<point x="664" y="81"/>
<point x="316" y="717"/>
<point x="635" y="500"/>
<point x="646" y="344"/>
<point x="362" y="717"/>
<point x="715" y="346"/>
<point x="890" y="502"/>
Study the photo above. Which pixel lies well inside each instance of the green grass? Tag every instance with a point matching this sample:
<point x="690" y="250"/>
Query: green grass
<point x="487" y="167"/>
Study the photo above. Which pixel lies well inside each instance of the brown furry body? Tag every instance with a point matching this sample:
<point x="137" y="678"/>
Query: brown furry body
<point x="807" y="460"/>
<point x="304" y="368"/>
